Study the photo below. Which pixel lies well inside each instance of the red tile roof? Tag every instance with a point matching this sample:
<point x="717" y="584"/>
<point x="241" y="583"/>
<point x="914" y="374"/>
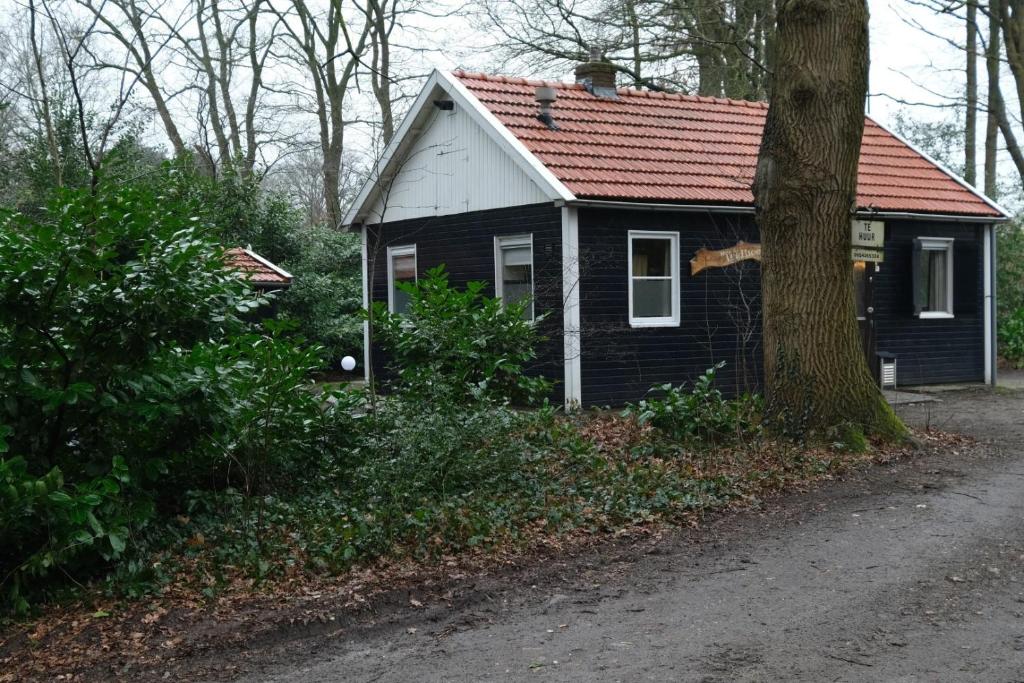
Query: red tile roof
<point x="256" y="269"/>
<point x="649" y="146"/>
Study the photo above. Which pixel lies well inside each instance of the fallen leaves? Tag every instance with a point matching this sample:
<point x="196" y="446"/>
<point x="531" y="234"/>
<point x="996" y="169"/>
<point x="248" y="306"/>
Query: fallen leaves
<point x="160" y="634"/>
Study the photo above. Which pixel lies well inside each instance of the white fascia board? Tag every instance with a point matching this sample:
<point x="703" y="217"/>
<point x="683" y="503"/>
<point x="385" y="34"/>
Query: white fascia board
<point x="942" y="167"/>
<point x="277" y="269"/>
<point x="533" y="166"/>
<point x="371" y="186"/>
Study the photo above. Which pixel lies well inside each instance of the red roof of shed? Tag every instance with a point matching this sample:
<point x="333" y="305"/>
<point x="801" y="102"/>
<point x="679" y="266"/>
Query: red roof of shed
<point x="256" y="269"/>
<point x="649" y="146"/>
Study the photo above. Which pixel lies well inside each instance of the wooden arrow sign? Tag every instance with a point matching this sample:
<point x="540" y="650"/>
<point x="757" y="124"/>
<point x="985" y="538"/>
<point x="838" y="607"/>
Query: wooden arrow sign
<point x="706" y="258"/>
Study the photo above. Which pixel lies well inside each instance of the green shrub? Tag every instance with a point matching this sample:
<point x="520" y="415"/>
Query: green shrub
<point x="1011" y="338"/>
<point x="700" y="413"/>
<point x="128" y="376"/>
<point x="266" y="424"/>
<point x="1010" y="272"/>
<point x="469" y="343"/>
<point x="47" y="525"/>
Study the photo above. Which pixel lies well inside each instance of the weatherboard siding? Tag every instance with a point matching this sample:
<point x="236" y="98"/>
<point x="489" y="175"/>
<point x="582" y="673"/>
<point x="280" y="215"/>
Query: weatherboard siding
<point x="620" y="363"/>
<point x="464" y="244"/>
<point x="932" y="351"/>
<point x="452" y="167"/>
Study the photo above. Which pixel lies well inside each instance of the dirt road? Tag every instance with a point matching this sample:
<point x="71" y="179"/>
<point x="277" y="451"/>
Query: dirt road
<point x="913" y="572"/>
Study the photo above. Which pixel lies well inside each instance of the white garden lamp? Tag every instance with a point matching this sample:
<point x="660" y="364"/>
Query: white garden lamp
<point x="348" y="363"/>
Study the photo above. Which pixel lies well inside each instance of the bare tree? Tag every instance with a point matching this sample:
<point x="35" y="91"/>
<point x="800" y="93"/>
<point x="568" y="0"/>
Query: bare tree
<point x="708" y="46"/>
<point x="129" y="24"/>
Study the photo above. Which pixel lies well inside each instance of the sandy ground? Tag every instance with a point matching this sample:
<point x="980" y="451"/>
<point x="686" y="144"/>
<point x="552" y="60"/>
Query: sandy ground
<point x="910" y="572"/>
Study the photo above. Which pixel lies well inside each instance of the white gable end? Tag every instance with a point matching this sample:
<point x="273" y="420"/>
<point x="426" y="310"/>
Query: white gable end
<point x="453" y="166"/>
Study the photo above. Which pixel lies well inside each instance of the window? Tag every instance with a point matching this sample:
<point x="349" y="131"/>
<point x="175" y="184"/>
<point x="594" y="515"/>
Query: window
<point x="401" y="268"/>
<point x="653" y="279"/>
<point x="860" y="287"/>
<point x="513" y="266"/>
<point x="933" y="277"/>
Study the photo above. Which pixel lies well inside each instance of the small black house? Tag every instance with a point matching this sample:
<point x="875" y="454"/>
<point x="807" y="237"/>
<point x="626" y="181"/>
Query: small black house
<point x="619" y="211"/>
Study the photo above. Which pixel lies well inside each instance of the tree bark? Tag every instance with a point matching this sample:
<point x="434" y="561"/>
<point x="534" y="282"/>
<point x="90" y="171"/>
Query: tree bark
<point x="992" y="71"/>
<point x="971" y="113"/>
<point x="805" y="191"/>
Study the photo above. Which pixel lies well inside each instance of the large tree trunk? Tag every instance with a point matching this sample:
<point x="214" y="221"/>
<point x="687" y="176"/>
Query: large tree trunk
<point x="805" y="192"/>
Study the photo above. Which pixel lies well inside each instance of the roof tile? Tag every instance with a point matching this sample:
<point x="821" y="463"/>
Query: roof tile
<point x="657" y="146"/>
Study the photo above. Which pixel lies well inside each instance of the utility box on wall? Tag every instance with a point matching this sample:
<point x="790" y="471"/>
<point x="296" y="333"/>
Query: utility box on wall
<point x="887" y="370"/>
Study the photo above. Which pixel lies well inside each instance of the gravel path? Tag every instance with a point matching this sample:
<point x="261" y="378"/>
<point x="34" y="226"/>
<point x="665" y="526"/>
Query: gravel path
<point x="912" y="572"/>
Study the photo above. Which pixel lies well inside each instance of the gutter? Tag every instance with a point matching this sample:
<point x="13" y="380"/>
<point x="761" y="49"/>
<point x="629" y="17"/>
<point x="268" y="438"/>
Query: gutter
<point x="749" y="210"/>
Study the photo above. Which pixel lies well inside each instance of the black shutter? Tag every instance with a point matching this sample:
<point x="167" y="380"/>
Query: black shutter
<point x="966" y="277"/>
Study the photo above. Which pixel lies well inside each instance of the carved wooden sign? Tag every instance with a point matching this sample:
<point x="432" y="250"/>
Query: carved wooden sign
<point x="720" y="258"/>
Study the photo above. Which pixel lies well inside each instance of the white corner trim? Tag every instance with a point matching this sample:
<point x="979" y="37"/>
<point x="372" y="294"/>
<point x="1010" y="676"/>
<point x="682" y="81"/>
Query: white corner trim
<point x="987" y="270"/>
<point x="941" y="166"/>
<point x="571" y="329"/>
<point x="365" y="262"/>
<point x="673" y="239"/>
<point x="403" y="250"/>
<point x="277" y="269"/>
<point x="540" y="173"/>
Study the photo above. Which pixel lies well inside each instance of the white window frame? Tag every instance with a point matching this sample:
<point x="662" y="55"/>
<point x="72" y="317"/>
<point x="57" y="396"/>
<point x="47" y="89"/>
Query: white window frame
<point x="405" y="250"/>
<point x="944" y="244"/>
<point x="673" y="239"/>
<point x="525" y="240"/>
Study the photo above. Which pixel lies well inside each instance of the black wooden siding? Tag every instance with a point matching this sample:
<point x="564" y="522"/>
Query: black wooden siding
<point x="932" y="351"/>
<point x="464" y="243"/>
<point x="620" y="363"/>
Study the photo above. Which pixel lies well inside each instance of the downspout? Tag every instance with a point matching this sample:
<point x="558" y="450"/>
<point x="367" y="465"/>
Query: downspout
<point x="571" y="330"/>
<point x="991" y="306"/>
<point x="366" y="306"/>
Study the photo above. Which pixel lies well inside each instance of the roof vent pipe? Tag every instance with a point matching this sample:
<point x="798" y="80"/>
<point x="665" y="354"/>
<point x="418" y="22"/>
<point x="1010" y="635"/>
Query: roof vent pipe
<point x="597" y="75"/>
<point x="546" y="96"/>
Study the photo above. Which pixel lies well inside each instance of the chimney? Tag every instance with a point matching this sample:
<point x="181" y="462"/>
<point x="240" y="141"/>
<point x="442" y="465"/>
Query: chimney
<point x="546" y="97"/>
<point x="597" y="75"/>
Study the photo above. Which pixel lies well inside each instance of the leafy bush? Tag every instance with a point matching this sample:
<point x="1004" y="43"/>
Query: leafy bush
<point x="129" y="376"/>
<point x="89" y="295"/>
<point x="1010" y="272"/>
<point x="700" y="413"/>
<point x="470" y="343"/>
<point x="46" y="524"/>
<point x="326" y="296"/>
<point x="266" y="424"/>
<point x="1011" y="338"/>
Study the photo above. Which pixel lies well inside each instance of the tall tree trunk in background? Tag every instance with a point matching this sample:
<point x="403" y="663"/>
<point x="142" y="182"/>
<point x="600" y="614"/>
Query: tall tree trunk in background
<point x="44" y="99"/>
<point x="991" y="119"/>
<point x="971" y="114"/>
<point x="1011" y="24"/>
<point x="805" y="191"/>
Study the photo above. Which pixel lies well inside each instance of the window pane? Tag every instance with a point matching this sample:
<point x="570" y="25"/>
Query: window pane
<point x="404" y="267"/>
<point x="652" y="298"/>
<point x="517" y="256"/>
<point x="401" y="300"/>
<point x="860" y="287"/>
<point x="652" y="257"/>
<point x="937" y="280"/>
